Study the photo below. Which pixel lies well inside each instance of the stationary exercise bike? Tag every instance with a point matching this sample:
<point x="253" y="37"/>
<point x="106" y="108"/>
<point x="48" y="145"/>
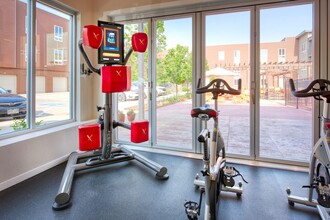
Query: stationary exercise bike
<point x="319" y="178"/>
<point x="116" y="77"/>
<point x="217" y="176"/>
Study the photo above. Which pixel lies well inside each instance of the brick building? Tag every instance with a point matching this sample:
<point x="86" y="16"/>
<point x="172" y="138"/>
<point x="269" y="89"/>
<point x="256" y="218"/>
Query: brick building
<point x="289" y="58"/>
<point x="52" y="48"/>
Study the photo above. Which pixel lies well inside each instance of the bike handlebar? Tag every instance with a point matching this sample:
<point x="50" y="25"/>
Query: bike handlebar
<point x="219" y="86"/>
<point x="320" y="90"/>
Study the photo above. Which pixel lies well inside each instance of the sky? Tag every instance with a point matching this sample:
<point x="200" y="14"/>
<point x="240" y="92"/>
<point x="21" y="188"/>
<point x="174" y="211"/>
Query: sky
<point x="234" y="27"/>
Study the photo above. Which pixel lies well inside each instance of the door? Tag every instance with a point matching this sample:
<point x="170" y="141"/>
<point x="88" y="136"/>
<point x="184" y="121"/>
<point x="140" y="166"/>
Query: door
<point x="227" y="56"/>
<point x="285" y="130"/>
<point x="172" y="82"/>
<point x="133" y="105"/>
<point x="264" y="46"/>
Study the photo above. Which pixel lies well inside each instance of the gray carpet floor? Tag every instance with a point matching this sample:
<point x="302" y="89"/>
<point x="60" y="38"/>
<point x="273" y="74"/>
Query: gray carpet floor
<point x="130" y="191"/>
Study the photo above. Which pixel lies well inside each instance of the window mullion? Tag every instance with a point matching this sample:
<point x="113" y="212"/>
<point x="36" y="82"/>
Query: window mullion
<point x="31" y="66"/>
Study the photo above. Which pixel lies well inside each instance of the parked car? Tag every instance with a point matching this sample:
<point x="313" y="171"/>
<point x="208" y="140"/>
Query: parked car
<point x="128" y="95"/>
<point x="160" y="90"/>
<point x="11" y="105"/>
<point x="133" y="94"/>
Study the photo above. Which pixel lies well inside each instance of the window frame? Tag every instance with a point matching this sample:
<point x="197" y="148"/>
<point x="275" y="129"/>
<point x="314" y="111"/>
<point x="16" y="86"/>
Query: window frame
<point x="58" y="56"/>
<point x="58" y="35"/>
<point x="280" y="54"/>
<point x="30" y="27"/>
<point x="127" y="15"/>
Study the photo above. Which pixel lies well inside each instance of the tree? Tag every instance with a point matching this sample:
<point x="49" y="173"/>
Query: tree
<point x="130" y="29"/>
<point x="177" y="66"/>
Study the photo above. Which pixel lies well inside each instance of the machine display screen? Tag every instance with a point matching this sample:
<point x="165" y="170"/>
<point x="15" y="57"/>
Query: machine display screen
<point x="112" y="47"/>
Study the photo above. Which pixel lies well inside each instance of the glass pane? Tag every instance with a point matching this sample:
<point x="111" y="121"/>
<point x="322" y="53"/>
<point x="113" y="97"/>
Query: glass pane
<point x="135" y="100"/>
<point x="173" y="83"/>
<point x="53" y="99"/>
<point x="227" y="57"/>
<point x="286" y="52"/>
<point x="13" y="61"/>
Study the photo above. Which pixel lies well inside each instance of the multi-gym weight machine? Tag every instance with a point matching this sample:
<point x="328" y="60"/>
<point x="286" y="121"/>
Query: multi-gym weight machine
<point x="93" y="152"/>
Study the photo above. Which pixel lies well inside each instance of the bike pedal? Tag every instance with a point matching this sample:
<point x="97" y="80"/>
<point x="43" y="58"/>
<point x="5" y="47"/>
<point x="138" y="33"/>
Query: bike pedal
<point x="323" y="192"/>
<point x="191" y="209"/>
<point x="228" y="181"/>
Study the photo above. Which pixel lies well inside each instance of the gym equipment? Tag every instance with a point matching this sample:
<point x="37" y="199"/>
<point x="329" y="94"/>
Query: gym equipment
<point x="217" y="175"/>
<point x="319" y="178"/>
<point x="95" y="141"/>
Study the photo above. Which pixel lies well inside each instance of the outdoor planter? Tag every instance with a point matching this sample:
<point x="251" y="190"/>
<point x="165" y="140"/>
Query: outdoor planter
<point x="130" y="115"/>
<point x="121" y="116"/>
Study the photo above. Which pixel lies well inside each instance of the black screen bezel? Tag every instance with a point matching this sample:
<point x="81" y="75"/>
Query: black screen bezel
<point x="111" y="61"/>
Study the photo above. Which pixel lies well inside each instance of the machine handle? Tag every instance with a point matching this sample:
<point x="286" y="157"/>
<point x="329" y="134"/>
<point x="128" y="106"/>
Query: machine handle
<point x="318" y="87"/>
<point x="86" y="58"/>
<point x="219" y="86"/>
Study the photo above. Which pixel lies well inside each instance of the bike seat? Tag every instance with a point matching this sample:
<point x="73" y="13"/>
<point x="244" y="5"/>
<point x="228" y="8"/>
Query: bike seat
<point x="201" y="112"/>
<point x="327" y="124"/>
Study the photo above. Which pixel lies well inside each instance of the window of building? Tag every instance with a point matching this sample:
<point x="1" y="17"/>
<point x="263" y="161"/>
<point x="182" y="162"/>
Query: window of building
<point x="303" y="73"/>
<point x="263" y="56"/>
<point x="309" y="48"/>
<point x="58" y="56"/>
<point x="221" y="55"/>
<point x="43" y="97"/>
<point x="58" y="33"/>
<point x="237" y="57"/>
<point x="303" y="46"/>
<point x="281" y="55"/>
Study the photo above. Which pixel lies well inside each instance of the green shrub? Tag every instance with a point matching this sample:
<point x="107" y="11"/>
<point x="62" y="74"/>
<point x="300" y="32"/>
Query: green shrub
<point x="20" y="124"/>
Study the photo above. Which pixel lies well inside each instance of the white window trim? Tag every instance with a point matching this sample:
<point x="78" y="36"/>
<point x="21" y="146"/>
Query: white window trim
<point x="58" y="56"/>
<point x="58" y="36"/>
<point x="30" y="27"/>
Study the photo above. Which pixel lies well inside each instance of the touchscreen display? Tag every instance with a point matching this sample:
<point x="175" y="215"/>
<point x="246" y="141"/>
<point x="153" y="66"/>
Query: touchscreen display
<point x="112" y="47"/>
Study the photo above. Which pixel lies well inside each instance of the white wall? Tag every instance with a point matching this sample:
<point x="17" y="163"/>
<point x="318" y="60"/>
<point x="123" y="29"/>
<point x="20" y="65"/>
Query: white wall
<point x="24" y="157"/>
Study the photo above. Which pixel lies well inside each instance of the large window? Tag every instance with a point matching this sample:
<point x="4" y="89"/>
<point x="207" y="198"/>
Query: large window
<point x="285" y="121"/>
<point x="264" y="46"/>
<point x="234" y="111"/>
<point x="174" y="72"/>
<point x="39" y="94"/>
<point x="133" y="104"/>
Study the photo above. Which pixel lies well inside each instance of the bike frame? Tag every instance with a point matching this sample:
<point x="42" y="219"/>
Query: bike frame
<point x="212" y="165"/>
<point x="320" y="152"/>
